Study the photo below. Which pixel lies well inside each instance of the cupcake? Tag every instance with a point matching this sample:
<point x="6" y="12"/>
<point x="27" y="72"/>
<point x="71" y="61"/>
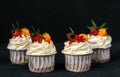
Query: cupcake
<point x="77" y="52"/>
<point x="18" y="45"/>
<point x="41" y="53"/>
<point x="100" y="42"/>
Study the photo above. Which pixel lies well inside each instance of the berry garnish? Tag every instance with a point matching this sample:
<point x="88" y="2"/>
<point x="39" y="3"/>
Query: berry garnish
<point x="84" y="36"/>
<point x="35" y="34"/>
<point x="16" y="31"/>
<point x="25" y="31"/>
<point x="102" y="32"/>
<point x="77" y="38"/>
<point x="47" y="37"/>
<point x="38" y="37"/>
<point x="94" y="30"/>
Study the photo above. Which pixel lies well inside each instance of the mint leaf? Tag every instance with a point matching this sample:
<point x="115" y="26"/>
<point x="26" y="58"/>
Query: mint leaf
<point x="33" y="28"/>
<point x="38" y="30"/>
<point x="102" y="25"/>
<point x="89" y="27"/>
<point x="93" y="23"/>
<point x="17" y="24"/>
<point x="13" y="26"/>
<point x="71" y="29"/>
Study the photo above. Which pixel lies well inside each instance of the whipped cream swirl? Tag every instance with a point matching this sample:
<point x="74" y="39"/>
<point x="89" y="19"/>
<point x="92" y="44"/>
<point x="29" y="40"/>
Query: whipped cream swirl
<point x="75" y="48"/>
<point x="19" y="43"/>
<point x="43" y="48"/>
<point x="100" y="41"/>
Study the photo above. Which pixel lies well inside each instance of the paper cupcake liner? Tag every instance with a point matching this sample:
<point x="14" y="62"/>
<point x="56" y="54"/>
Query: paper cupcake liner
<point x="78" y="63"/>
<point x="18" y="57"/>
<point x="41" y="64"/>
<point x="101" y="55"/>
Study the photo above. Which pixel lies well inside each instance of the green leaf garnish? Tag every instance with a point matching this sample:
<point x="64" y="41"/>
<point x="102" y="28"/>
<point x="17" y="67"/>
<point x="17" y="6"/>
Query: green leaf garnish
<point x="71" y="30"/>
<point x="17" y="24"/>
<point x="33" y="28"/>
<point x="93" y="23"/>
<point x="38" y="30"/>
<point x="32" y="33"/>
<point x="13" y="26"/>
<point x="89" y="27"/>
<point x="102" y="25"/>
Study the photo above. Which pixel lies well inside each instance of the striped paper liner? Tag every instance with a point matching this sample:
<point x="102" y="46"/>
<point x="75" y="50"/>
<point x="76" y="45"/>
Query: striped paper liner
<point x="78" y="63"/>
<point x="18" y="57"/>
<point x="101" y="55"/>
<point x="40" y="64"/>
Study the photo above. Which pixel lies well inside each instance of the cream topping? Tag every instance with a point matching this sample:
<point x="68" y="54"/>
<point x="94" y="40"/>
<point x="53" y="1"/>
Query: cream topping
<point x="19" y="43"/>
<point x="43" y="48"/>
<point x="76" y="48"/>
<point x="100" y="41"/>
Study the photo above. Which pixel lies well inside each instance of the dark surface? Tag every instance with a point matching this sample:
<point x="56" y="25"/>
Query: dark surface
<point x="110" y="69"/>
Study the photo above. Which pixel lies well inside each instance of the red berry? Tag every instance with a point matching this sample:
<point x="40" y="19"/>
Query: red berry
<point x="16" y="33"/>
<point x="79" y="38"/>
<point x="37" y="38"/>
<point x="94" y="32"/>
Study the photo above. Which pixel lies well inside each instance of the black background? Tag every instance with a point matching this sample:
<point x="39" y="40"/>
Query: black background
<point x="55" y="16"/>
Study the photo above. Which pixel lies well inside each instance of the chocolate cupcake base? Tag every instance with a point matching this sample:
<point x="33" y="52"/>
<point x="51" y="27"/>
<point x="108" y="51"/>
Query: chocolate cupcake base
<point x="101" y="55"/>
<point x="40" y="64"/>
<point x="18" y="57"/>
<point x="78" y="63"/>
